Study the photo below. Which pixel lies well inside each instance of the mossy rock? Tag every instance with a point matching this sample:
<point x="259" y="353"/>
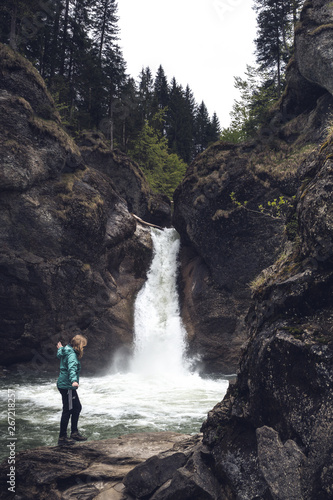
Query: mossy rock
<point x="19" y="77"/>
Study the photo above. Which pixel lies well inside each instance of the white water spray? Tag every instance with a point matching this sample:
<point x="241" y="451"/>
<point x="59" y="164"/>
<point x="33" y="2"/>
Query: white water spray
<point x="159" y="333"/>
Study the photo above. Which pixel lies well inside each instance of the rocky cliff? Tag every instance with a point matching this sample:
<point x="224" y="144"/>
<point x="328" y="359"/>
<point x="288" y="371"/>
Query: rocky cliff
<point x="72" y="257"/>
<point x="224" y="207"/>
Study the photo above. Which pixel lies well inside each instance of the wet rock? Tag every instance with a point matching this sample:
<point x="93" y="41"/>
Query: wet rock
<point x="146" y="478"/>
<point x="88" y="470"/>
<point x="271" y="435"/>
<point x="194" y="480"/>
<point x="280" y="464"/>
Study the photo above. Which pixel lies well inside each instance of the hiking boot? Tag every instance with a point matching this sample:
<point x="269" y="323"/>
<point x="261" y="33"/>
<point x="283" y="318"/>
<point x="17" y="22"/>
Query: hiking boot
<point x="78" y="437"/>
<point x="65" y="441"/>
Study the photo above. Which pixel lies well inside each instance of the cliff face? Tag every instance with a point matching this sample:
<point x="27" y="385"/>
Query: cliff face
<point x="271" y="436"/>
<point x="281" y="405"/>
<point x="227" y="239"/>
<point x="72" y="257"/>
<point x="220" y="253"/>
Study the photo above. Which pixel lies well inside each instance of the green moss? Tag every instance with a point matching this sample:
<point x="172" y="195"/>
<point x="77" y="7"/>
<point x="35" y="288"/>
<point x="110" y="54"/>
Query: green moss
<point x="321" y="28"/>
<point x="323" y="340"/>
<point x="296" y="332"/>
<point x="54" y="130"/>
<point x="283" y="163"/>
<point x="66" y="182"/>
<point x="293" y="330"/>
<point x="292" y="228"/>
<point x="11" y="61"/>
<point x="92" y="205"/>
<point x="67" y="197"/>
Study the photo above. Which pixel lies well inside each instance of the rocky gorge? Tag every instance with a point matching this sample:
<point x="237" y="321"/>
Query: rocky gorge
<point x="271" y="436"/>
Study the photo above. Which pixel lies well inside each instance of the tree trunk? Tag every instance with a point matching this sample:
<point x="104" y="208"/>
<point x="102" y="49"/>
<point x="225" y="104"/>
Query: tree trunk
<point x="64" y="40"/>
<point x="55" y="36"/>
<point x="12" y="36"/>
<point x="102" y="31"/>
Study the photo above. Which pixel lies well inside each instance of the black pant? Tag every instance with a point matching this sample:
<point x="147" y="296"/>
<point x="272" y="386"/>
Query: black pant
<point x="71" y="406"/>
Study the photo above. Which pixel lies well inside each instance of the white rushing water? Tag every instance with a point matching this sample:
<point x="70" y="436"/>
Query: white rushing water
<point x="156" y="392"/>
<point x="159" y="334"/>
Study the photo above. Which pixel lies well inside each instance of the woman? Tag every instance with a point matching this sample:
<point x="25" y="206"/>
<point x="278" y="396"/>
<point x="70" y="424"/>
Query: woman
<point x="68" y="383"/>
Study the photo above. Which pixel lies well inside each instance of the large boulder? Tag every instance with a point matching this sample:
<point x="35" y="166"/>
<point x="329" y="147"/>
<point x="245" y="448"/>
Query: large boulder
<point x="314" y="51"/>
<point x="72" y="256"/>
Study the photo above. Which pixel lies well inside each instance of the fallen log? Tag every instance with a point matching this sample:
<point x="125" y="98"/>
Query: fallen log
<point x="146" y="223"/>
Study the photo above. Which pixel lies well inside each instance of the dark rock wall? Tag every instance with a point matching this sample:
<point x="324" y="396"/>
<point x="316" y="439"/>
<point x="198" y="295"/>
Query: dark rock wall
<point x="72" y="257"/>
<point x="226" y="245"/>
<point x="281" y="404"/>
<point x="314" y="54"/>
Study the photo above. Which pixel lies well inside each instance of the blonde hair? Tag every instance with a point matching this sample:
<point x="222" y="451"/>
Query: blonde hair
<point x="78" y="343"/>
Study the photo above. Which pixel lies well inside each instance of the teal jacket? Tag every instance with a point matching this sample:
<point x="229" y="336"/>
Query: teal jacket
<point x="70" y="367"/>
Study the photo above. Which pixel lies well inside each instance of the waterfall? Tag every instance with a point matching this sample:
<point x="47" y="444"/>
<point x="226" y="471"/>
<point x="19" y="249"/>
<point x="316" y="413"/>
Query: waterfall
<point x="157" y="392"/>
<point x="159" y="334"/>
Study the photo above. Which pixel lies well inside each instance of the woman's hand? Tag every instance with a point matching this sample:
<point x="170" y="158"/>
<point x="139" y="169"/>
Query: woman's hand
<point x="59" y="344"/>
<point x="75" y="384"/>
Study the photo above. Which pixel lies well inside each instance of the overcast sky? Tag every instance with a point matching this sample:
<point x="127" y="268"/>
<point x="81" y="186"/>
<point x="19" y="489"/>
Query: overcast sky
<point x="203" y="43"/>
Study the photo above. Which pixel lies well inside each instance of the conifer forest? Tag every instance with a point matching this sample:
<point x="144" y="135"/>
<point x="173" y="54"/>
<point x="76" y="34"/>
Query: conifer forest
<point x="76" y="47"/>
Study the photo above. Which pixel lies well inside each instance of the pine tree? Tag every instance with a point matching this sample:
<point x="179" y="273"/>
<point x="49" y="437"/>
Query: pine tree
<point x="105" y="26"/>
<point x="175" y="116"/>
<point x="213" y="130"/>
<point x="187" y="151"/>
<point x="163" y="170"/>
<point x="126" y="116"/>
<point x="257" y="94"/>
<point x="202" y="123"/>
<point x="146" y="94"/>
<point x="274" y="43"/>
<point x="161" y="90"/>
<point x="160" y="99"/>
<point x="17" y="22"/>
